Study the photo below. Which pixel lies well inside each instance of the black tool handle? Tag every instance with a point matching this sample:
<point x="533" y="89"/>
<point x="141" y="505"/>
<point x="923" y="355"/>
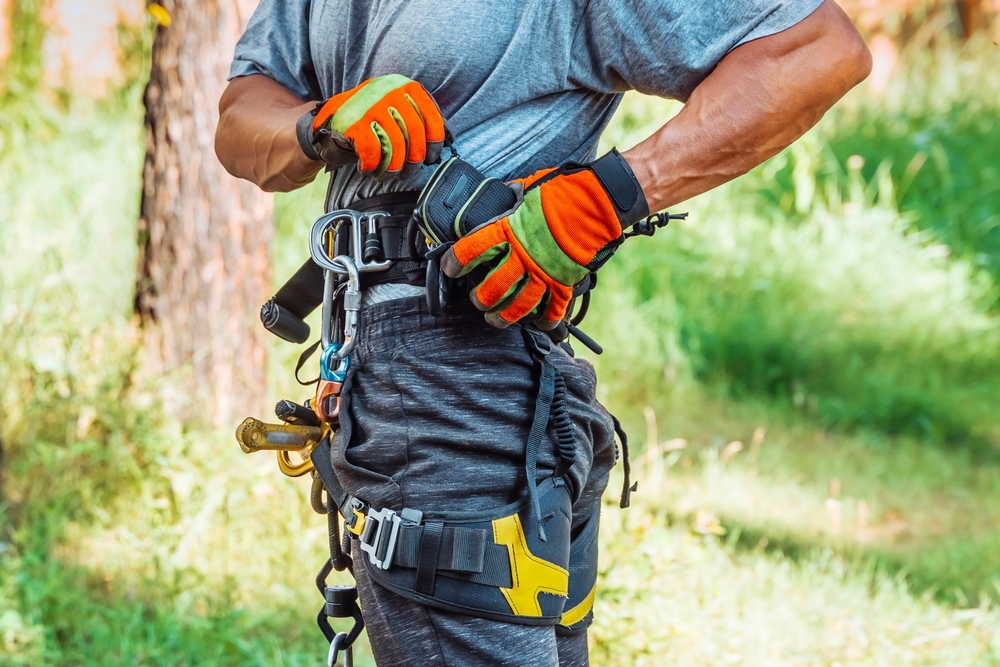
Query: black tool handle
<point x="283" y="323"/>
<point x="291" y="412"/>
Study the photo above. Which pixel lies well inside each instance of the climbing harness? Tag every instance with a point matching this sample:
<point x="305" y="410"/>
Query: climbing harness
<point x="518" y="563"/>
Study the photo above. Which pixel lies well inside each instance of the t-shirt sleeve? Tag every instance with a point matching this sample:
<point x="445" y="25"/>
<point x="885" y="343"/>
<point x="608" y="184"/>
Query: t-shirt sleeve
<point x="668" y="47"/>
<point x="276" y="44"/>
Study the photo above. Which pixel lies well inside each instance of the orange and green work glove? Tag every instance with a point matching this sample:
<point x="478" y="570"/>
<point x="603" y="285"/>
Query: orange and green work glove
<point x="388" y="125"/>
<point x="568" y="223"/>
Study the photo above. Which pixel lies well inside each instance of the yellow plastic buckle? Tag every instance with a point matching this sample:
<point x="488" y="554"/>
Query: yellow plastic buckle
<point x="359" y="510"/>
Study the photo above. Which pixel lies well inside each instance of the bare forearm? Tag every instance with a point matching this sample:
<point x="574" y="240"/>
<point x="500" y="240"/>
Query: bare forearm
<point x="763" y="96"/>
<point x="256" y="138"/>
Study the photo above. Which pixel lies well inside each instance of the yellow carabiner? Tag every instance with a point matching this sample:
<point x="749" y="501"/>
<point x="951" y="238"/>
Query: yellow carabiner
<point x="292" y="469"/>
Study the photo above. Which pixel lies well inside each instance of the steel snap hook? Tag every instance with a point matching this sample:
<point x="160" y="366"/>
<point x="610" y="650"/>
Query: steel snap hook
<point x="335" y="648"/>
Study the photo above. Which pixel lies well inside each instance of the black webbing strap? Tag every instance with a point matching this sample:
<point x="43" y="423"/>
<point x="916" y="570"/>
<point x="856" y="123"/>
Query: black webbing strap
<point x="320" y="458"/>
<point x="303" y="358"/>
<point x="427" y="562"/>
<point x="462" y="553"/>
<point x="460" y="549"/>
<point x="542" y="344"/>
<point x="303" y="292"/>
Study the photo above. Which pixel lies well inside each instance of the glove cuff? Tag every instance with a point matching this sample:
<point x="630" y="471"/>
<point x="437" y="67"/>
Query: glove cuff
<point x="304" y="133"/>
<point x="622" y="188"/>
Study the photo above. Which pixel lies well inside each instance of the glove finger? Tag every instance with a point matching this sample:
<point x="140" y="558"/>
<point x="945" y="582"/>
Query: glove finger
<point x="472" y="250"/>
<point x="368" y="146"/>
<point x="432" y="148"/>
<point x="495" y="317"/>
<point x="502" y="284"/>
<point x="526" y="301"/>
<point x="559" y="298"/>
<point x="413" y="125"/>
<point x="335" y="149"/>
<point x="492" y="315"/>
<point x="393" y="139"/>
<point x="409" y="170"/>
<point x="538" y="314"/>
<point x="428" y="109"/>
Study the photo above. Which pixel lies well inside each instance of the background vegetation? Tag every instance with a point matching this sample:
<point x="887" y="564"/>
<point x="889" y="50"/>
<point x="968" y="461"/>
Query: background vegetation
<point x="809" y="366"/>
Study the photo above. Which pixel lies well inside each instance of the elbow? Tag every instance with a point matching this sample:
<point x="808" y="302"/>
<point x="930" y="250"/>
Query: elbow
<point x="852" y="61"/>
<point x="224" y="141"/>
<point x="221" y="150"/>
<point x="857" y="59"/>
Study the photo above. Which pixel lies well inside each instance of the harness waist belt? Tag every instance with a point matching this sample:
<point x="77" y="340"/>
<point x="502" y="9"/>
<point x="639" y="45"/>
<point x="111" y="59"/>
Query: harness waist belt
<point x="284" y="314"/>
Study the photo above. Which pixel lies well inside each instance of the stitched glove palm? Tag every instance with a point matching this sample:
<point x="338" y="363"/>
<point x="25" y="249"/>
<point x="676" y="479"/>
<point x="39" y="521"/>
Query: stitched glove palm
<point x="389" y="125"/>
<point x="568" y="223"/>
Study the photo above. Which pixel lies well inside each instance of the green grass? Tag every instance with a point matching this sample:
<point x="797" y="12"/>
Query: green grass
<point x="838" y="322"/>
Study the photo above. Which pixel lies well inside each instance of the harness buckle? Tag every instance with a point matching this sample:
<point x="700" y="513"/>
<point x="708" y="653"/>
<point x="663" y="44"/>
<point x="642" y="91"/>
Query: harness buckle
<point x="356" y="524"/>
<point x="378" y="536"/>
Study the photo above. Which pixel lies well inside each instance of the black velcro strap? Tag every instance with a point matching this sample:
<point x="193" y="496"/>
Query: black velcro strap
<point x="430" y="546"/>
<point x="622" y="187"/>
<point x="304" y="133"/>
<point x="465" y="549"/>
<point x="496" y="569"/>
<point x="464" y="553"/>
<point x="392" y="234"/>
<point x="461" y="549"/>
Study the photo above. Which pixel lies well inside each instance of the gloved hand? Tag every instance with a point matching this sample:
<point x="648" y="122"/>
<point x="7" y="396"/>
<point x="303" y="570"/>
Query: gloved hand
<point x="567" y="223"/>
<point x="389" y="125"/>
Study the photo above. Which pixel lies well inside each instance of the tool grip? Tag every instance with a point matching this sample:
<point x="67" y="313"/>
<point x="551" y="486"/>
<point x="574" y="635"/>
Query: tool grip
<point x="254" y="435"/>
<point x="282" y="323"/>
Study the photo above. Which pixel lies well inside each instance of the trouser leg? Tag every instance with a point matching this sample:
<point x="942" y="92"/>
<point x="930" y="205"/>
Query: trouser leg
<point x="404" y="633"/>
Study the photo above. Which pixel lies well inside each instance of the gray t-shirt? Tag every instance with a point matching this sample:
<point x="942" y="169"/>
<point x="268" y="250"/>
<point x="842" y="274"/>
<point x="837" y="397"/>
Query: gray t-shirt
<point x="523" y="84"/>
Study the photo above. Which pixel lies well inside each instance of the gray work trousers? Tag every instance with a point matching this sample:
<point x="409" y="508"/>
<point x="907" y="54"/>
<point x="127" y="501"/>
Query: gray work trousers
<point x="435" y="417"/>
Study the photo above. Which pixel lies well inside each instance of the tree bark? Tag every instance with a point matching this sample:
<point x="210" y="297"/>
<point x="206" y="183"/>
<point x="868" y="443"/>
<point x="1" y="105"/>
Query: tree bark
<point x="972" y="15"/>
<point x="204" y="236"/>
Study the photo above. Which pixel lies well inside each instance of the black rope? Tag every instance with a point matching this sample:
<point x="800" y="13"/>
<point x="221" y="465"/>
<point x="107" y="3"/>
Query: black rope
<point x="561" y="422"/>
<point x="542" y="345"/>
<point x="649" y="226"/>
<point x="628" y="488"/>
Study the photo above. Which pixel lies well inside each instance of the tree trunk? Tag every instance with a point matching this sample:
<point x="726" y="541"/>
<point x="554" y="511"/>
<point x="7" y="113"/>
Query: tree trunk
<point x="972" y="14"/>
<point x="204" y="262"/>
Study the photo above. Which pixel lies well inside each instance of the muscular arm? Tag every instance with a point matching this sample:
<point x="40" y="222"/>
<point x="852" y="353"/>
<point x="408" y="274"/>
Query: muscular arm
<point x="763" y="96"/>
<point x="256" y="138"/>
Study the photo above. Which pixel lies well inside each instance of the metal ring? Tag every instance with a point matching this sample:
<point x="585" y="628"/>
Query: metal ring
<point x="331" y="657"/>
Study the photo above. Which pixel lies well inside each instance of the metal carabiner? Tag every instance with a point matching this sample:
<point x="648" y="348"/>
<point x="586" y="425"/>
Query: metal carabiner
<point x="358" y="220"/>
<point x="340" y="265"/>
<point x="331" y="657"/>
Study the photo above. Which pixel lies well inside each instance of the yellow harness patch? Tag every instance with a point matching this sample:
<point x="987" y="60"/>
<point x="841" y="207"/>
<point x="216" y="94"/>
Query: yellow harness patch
<point x="531" y="575"/>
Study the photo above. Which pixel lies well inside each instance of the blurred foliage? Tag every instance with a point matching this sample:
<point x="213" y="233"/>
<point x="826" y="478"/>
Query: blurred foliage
<point x="23" y="67"/>
<point x="927" y="146"/>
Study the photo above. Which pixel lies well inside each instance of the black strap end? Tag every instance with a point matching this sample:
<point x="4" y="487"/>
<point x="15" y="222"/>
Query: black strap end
<point x="304" y="133"/>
